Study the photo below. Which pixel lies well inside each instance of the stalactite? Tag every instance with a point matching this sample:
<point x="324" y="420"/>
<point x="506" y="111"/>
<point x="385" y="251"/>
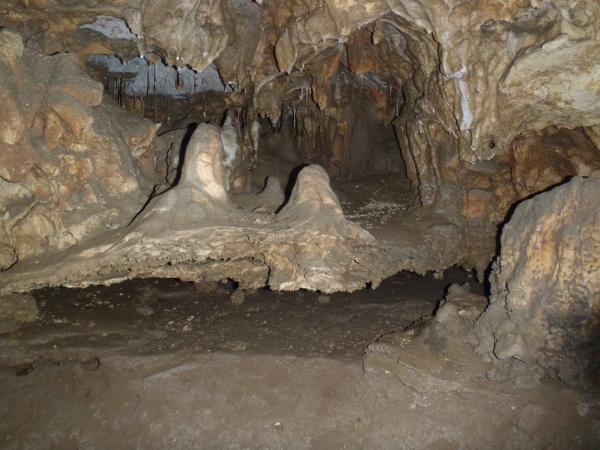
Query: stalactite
<point x="124" y="90"/>
<point x="294" y="116"/>
<point x="154" y="82"/>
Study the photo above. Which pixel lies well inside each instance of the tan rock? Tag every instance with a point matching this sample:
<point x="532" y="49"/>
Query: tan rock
<point x="68" y="78"/>
<point x="7" y="254"/>
<point x="74" y="114"/>
<point x="238" y="297"/>
<point x="198" y="49"/>
<point x="285" y="52"/>
<point x="81" y="177"/>
<point x="139" y="135"/>
<point x="479" y="204"/>
<point x="53" y="130"/>
<point x="546" y="283"/>
<point x="547" y="158"/>
<point x="458" y="80"/>
<point x="88" y="92"/>
<point x="309" y="244"/>
<point x="11" y="48"/>
<point x="12" y="122"/>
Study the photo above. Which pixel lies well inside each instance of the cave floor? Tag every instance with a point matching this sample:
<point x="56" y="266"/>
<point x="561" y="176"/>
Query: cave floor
<point x="413" y="237"/>
<point x="167" y="364"/>
<point x="377" y="203"/>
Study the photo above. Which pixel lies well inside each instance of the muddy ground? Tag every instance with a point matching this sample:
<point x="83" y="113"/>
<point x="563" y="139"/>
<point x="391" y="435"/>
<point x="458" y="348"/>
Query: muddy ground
<point x="164" y="364"/>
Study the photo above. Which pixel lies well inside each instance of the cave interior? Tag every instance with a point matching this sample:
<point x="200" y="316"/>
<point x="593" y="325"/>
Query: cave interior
<point x="300" y="224"/>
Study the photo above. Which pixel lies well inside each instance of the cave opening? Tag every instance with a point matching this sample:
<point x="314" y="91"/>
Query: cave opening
<point x="299" y="224"/>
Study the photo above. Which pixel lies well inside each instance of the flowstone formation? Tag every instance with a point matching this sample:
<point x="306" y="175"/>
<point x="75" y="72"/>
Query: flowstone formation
<point x="544" y="308"/>
<point x="77" y="170"/>
<point x="194" y="232"/>
<point x="67" y="159"/>
<point x="543" y="317"/>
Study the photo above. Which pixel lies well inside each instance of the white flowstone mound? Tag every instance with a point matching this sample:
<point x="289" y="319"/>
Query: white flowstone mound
<point x="194" y="232"/>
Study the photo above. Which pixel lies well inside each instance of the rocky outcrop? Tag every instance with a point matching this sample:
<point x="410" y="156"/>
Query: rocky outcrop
<point x="67" y="160"/>
<point x="543" y="315"/>
<point x="545" y="305"/>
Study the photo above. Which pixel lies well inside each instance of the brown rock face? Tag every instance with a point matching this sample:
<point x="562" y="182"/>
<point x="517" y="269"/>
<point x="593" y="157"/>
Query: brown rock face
<point x="549" y="157"/>
<point x="545" y="303"/>
<point x="66" y="161"/>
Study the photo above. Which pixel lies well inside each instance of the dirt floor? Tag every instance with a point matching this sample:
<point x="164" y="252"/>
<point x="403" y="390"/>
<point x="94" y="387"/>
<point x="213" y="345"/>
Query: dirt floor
<point x="165" y="364"/>
<point x="375" y="202"/>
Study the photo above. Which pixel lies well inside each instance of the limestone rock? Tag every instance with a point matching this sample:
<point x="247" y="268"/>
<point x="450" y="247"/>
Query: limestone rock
<point x="11" y="48"/>
<point x="69" y="153"/>
<point x="269" y="200"/>
<point x="13" y="126"/>
<point x="542" y="318"/>
<point x="454" y="318"/>
<point x="478" y="95"/>
<point x="435" y="354"/>
<point x="15" y="202"/>
<point x="547" y="158"/>
<point x="167" y="148"/>
<point x="74" y="114"/>
<point x="271" y="197"/>
<point x="546" y="284"/>
<point x="169" y="22"/>
<point x="67" y="80"/>
<point x="308" y="244"/>
<point x="237" y="297"/>
<point x="541" y="75"/>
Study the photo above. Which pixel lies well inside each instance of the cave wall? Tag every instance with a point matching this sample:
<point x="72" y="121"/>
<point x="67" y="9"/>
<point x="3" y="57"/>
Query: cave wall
<point x="491" y="101"/>
<point x="67" y="159"/>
